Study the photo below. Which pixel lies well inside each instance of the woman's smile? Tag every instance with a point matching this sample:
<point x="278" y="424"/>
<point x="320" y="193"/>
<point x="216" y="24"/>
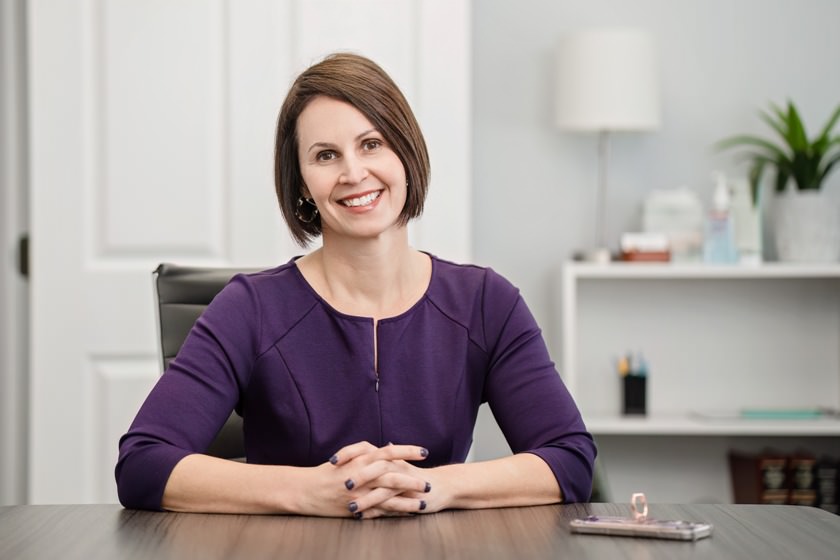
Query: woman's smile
<point x="365" y="201"/>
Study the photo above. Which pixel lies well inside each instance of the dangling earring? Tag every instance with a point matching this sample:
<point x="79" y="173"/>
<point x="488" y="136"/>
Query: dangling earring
<point x="312" y="214"/>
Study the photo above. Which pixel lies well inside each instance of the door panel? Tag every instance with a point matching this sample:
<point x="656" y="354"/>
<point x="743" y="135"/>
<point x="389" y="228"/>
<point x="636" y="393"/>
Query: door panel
<point x="159" y="126"/>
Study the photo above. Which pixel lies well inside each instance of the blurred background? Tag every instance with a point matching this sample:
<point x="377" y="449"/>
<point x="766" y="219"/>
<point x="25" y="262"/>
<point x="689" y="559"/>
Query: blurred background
<point x="135" y="132"/>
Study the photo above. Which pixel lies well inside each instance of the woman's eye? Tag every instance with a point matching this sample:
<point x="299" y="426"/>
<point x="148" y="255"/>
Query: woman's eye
<point x="371" y="144"/>
<point x="326" y="155"/>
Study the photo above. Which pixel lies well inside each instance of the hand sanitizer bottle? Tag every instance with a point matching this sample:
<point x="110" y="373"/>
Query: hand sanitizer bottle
<point x="719" y="240"/>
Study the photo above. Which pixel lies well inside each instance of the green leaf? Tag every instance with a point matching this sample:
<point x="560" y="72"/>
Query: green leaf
<point x="796" y="130"/>
<point x="777" y="125"/>
<point x="823" y="174"/>
<point x="756" y="171"/>
<point x="820" y="146"/>
<point x="826" y="131"/>
<point x="782" y="177"/>
<point x="745" y="140"/>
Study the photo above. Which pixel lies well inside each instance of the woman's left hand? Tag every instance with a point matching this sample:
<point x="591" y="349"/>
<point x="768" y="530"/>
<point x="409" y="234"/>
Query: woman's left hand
<point x="386" y="494"/>
<point x="384" y="500"/>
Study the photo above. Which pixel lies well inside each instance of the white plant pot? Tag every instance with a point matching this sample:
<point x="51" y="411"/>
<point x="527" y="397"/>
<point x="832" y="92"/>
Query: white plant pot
<point x="807" y="227"/>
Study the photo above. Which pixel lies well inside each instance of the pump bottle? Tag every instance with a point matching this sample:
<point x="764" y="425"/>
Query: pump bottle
<point x="719" y="234"/>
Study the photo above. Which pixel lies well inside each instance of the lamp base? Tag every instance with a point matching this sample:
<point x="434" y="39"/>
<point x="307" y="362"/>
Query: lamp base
<point x="600" y="255"/>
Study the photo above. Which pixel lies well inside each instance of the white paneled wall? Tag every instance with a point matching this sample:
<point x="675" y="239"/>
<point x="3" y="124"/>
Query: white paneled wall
<point x="152" y="140"/>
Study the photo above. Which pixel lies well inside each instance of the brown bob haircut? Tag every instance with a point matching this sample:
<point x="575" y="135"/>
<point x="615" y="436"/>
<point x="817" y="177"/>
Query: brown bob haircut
<point x="363" y="84"/>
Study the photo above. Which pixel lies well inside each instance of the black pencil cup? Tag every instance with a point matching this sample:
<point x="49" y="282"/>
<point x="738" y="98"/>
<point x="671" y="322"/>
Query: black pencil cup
<point x="634" y="394"/>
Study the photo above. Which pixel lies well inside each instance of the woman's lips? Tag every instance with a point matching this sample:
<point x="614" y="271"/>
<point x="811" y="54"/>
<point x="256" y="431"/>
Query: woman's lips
<point x="362" y="200"/>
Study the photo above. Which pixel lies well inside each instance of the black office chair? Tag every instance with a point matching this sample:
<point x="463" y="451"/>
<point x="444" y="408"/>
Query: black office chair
<point x="183" y="292"/>
<point x="600" y="485"/>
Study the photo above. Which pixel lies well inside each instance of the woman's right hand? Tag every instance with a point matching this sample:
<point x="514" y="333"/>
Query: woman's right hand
<point x="360" y="477"/>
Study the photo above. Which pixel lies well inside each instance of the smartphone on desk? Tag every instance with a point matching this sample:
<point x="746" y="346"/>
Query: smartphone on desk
<point x="651" y="528"/>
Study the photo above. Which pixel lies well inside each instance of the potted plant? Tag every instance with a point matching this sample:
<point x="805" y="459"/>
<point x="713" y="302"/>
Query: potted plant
<point x="807" y="224"/>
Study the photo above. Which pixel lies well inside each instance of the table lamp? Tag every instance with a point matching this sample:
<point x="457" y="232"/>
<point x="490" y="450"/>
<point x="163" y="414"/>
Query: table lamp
<point x="606" y="81"/>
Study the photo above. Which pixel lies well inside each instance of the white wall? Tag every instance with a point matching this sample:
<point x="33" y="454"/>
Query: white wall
<point x="720" y="62"/>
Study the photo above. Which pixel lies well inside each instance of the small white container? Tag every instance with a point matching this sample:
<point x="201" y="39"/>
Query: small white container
<point x="677" y="213"/>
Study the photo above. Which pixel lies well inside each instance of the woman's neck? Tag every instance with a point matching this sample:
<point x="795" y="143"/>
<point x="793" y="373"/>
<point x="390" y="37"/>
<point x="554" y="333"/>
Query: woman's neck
<point x="371" y="278"/>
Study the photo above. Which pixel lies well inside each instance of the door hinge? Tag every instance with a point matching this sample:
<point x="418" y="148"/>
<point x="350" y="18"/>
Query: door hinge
<point x="23" y="255"/>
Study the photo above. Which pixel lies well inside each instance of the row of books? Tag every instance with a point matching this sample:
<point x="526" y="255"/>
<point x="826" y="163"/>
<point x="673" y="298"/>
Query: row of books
<point x="776" y="478"/>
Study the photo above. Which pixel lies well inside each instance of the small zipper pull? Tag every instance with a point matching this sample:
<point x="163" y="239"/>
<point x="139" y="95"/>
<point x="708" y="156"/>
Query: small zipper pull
<point x="376" y="387"/>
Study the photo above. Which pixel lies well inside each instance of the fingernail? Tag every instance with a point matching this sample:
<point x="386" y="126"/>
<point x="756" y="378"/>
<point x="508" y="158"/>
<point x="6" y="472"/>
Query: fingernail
<point x="349" y="484"/>
<point x="390" y="443"/>
<point x="422" y="505"/>
<point x="334" y="459"/>
<point x="428" y="488"/>
<point x="358" y="515"/>
<point x="424" y="452"/>
<point x="352" y="506"/>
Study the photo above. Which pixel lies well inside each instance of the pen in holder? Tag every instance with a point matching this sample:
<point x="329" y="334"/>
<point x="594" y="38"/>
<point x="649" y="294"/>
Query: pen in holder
<point x="633" y="385"/>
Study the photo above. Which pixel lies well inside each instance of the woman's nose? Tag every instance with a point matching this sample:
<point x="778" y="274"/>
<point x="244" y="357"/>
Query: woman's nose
<point x="354" y="170"/>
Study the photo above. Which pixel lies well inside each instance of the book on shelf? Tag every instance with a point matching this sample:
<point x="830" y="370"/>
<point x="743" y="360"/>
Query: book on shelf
<point x="759" y="478"/>
<point x="802" y="480"/>
<point x="826" y="480"/>
<point x="772" y="477"/>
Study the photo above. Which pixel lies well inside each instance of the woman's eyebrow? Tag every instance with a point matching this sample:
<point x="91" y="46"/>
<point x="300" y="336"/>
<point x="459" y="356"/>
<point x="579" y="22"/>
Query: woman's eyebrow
<point x="320" y="145"/>
<point x="330" y="145"/>
<point x="365" y="133"/>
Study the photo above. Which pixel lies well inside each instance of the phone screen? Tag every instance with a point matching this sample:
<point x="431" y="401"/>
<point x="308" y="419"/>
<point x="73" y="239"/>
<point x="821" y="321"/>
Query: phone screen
<point x="652" y="528"/>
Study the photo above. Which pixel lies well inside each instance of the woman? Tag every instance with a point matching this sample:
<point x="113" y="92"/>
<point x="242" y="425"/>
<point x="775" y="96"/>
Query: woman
<point x="359" y="368"/>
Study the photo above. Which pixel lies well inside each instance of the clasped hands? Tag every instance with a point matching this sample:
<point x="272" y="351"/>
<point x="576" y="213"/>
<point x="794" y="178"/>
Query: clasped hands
<point x="365" y="481"/>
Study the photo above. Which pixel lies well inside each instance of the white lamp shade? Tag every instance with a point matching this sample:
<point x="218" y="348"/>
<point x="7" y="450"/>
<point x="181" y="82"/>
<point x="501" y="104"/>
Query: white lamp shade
<point x="607" y="80"/>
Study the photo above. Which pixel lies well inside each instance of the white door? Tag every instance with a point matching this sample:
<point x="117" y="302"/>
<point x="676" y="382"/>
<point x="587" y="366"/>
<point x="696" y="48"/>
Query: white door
<point x="151" y="129"/>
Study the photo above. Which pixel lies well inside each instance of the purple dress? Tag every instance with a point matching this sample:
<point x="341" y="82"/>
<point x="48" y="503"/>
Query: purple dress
<point x="302" y="376"/>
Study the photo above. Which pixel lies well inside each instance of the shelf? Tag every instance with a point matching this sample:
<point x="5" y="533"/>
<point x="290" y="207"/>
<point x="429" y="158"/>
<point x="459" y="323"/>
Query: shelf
<point x="715" y="337"/>
<point x="682" y="425"/>
<point x="735" y="330"/>
<point x="699" y="270"/>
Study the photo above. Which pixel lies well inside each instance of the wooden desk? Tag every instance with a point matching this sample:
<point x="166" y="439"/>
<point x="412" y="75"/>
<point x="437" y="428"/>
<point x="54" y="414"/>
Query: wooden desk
<point x="112" y="533"/>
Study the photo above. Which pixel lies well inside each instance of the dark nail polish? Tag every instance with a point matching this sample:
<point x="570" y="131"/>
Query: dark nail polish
<point x="422" y="505"/>
<point x="334" y="459"/>
<point x="352" y="506"/>
<point x="428" y="488"/>
<point x="358" y="515"/>
<point x="349" y="484"/>
<point x="424" y="452"/>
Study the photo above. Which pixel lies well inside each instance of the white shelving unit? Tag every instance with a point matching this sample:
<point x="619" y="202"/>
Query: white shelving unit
<point x="716" y="338"/>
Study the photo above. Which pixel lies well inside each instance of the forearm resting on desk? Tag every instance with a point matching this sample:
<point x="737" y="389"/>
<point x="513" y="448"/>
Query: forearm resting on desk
<point x="201" y="483"/>
<point x="518" y="480"/>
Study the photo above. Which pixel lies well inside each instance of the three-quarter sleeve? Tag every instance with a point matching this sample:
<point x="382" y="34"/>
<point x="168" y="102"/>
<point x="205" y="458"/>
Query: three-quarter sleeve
<point x="532" y="406"/>
<point x="193" y="398"/>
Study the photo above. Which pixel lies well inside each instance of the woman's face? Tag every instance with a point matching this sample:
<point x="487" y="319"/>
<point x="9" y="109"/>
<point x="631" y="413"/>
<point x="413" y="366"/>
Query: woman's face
<point x="355" y="178"/>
